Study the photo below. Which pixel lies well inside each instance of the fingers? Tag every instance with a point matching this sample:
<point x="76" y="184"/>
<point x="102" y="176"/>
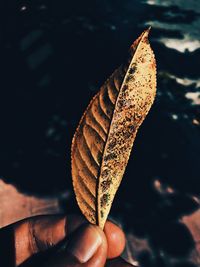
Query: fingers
<point x="85" y="242"/>
<point x="116" y="240"/>
<point x="86" y="247"/>
<point x="36" y="235"/>
<point x="41" y="233"/>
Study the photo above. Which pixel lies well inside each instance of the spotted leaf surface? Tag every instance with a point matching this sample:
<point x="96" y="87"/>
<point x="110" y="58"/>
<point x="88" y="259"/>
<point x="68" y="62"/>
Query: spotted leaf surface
<point x="104" y="138"/>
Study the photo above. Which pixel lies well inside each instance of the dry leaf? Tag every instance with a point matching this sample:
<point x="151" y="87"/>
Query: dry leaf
<point x="103" y="140"/>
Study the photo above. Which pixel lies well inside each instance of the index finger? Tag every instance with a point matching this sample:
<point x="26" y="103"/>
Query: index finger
<point x="38" y="234"/>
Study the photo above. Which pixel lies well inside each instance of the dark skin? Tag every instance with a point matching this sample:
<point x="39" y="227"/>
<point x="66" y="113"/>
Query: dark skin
<point x="66" y="242"/>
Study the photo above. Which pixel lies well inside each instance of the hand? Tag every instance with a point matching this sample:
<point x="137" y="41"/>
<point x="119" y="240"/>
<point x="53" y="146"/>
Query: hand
<point x="57" y="241"/>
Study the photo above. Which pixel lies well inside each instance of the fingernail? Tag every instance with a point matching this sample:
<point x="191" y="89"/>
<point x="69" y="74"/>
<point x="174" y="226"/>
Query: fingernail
<point x="85" y="243"/>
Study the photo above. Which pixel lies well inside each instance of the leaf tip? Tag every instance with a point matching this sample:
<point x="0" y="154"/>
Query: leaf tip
<point x="147" y="31"/>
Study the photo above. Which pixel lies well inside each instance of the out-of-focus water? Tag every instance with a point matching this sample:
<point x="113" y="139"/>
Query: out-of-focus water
<point x="189" y="31"/>
<point x="181" y="16"/>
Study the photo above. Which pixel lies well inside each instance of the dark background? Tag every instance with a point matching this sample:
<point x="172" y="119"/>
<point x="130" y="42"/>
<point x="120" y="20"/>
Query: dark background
<point x="55" y="55"/>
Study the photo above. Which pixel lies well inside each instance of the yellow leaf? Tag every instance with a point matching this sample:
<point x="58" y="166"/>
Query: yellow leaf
<point x="104" y="138"/>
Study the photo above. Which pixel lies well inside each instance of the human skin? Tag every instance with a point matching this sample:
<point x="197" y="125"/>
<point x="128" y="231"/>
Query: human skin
<point x="72" y="242"/>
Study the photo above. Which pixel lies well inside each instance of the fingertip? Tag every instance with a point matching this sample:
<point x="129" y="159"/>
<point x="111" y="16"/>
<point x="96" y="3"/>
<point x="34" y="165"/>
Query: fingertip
<point x="86" y="246"/>
<point x="85" y="242"/>
<point x="99" y="259"/>
<point x="115" y="238"/>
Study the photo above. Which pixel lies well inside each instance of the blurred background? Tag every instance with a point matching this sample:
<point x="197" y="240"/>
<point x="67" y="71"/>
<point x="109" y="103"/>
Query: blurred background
<point x="54" y="56"/>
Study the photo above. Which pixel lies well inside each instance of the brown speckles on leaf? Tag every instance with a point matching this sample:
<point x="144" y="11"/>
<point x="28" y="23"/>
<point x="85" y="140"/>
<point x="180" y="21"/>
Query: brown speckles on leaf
<point x="132" y="69"/>
<point x="105" y="185"/>
<point x="112" y="144"/>
<point x="105" y="199"/>
<point x="110" y="156"/>
<point x="105" y="173"/>
<point x="104" y="138"/>
<point x="102" y="214"/>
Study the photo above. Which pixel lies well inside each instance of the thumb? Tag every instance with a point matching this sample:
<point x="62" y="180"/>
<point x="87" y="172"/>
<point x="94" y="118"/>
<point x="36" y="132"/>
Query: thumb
<point x="86" y="247"/>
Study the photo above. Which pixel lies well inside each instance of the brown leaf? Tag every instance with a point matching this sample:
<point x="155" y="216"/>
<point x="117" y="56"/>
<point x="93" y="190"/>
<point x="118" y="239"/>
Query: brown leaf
<point x="103" y="140"/>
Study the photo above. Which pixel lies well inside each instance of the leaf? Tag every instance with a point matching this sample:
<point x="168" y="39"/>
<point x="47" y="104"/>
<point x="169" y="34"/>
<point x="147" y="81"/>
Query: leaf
<point x="104" y="138"/>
